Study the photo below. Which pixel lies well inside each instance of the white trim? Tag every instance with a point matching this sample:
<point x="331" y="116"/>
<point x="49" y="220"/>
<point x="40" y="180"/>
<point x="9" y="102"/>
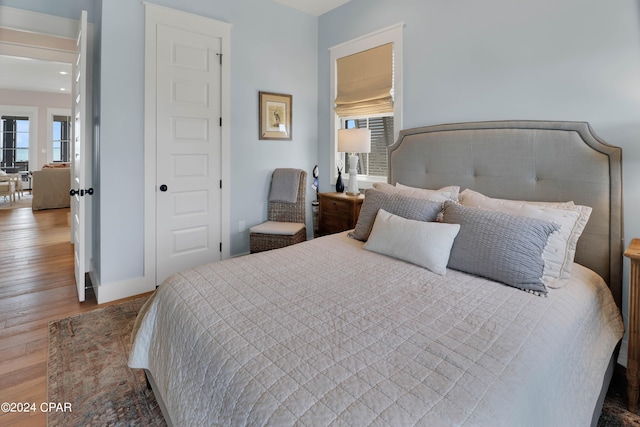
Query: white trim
<point x="32" y="114"/>
<point x="352" y="45"/>
<point x="24" y="20"/>
<point x="42" y="24"/>
<point x="119" y="290"/>
<point x="155" y="15"/>
<point x="393" y="34"/>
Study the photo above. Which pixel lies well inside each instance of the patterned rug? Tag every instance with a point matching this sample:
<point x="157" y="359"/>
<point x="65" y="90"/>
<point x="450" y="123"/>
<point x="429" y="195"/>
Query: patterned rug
<point x="614" y="410"/>
<point x="87" y="368"/>
<point x="22" y="202"/>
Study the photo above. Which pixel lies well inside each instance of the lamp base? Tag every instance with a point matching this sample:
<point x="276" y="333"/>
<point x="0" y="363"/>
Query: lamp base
<point x="352" y="188"/>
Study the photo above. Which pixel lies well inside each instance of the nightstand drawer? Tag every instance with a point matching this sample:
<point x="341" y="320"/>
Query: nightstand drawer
<point x="338" y="212"/>
<point x="332" y="222"/>
<point x="335" y="207"/>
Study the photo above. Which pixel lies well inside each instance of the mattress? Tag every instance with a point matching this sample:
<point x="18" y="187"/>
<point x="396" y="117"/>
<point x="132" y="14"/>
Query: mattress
<point x="327" y="333"/>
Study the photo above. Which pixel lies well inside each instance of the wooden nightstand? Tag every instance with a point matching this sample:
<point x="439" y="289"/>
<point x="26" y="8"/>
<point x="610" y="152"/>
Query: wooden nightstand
<point x="633" y="352"/>
<point x="338" y="212"/>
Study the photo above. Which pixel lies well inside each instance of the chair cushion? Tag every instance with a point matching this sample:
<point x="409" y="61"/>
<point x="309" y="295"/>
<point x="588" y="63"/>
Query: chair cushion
<point x="276" y="227"/>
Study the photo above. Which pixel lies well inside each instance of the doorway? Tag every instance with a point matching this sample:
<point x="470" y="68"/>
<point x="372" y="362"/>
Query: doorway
<point x="37" y="80"/>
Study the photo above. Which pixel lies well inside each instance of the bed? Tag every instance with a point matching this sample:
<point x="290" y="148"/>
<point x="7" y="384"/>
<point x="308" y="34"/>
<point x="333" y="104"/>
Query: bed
<point x="355" y="331"/>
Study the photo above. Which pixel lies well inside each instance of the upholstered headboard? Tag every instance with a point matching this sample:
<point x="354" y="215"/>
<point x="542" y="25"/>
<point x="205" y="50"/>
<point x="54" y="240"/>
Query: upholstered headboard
<point x="526" y="160"/>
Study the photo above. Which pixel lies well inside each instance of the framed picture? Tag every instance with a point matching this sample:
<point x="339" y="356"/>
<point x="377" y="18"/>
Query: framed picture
<point x="275" y="116"/>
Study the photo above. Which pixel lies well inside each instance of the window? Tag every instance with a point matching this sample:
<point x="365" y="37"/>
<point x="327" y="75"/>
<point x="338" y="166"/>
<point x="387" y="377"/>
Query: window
<point x="373" y="164"/>
<point x="14" y="143"/>
<point x="61" y="138"/>
<point x="366" y="80"/>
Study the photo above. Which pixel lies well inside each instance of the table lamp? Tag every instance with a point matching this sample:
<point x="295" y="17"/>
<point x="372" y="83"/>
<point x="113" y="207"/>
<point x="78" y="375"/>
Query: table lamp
<point x="354" y="141"/>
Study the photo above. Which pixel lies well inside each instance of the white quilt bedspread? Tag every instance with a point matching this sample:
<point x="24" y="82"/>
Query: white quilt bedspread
<point x="327" y="333"/>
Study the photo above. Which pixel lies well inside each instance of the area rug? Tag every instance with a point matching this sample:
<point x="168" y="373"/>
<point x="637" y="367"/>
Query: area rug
<point x="87" y="370"/>
<point x="614" y="410"/>
<point x="22" y="202"/>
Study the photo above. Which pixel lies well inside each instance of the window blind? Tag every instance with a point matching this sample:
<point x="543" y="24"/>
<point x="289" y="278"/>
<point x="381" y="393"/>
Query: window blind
<point x="365" y="82"/>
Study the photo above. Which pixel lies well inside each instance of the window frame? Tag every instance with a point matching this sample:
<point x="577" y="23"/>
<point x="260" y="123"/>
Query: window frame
<point x="32" y="114"/>
<point x="51" y="112"/>
<point x="392" y="34"/>
<point x="343" y="156"/>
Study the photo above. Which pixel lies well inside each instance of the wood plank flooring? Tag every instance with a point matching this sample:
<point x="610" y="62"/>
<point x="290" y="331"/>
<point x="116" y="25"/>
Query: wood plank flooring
<point x="36" y="286"/>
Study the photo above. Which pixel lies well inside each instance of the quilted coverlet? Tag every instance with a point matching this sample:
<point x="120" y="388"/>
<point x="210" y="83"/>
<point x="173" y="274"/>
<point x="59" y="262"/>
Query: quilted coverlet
<point x="326" y="333"/>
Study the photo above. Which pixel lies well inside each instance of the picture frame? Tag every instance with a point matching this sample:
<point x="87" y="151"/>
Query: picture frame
<point x="275" y="116"/>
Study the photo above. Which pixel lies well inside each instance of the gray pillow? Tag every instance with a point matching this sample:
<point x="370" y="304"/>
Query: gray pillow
<point x="499" y="246"/>
<point x="397" y="204"/>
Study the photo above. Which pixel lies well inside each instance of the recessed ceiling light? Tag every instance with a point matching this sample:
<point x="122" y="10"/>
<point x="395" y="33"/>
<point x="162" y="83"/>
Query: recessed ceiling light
<point x="64" y="73"/>
<point x="63" y="89"/>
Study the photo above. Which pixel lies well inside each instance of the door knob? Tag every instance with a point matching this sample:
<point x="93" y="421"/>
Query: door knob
<point x="81" y="192"/>
<point x="163" y="187"/>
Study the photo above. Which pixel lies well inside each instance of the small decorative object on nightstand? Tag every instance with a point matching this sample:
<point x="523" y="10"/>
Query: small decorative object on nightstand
<point x="338" y="212"/>
<point x="339" y="183"/>
<point x="633" y="352"/>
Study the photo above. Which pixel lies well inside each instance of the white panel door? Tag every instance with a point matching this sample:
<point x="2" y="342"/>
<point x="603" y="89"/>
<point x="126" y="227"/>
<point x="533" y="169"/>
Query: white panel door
<point x="188" y="167"/>
<point x="81" y="190"/>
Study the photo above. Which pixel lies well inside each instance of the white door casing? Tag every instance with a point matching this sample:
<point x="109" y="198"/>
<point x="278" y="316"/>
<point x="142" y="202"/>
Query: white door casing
<point x="186" y="144"/>
<point x="81" y="161"/>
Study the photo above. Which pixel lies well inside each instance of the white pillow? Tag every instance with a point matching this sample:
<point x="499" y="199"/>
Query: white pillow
<point x="2" y="173"/>
<point x="560" y="252"/>
<point x="427" y="244"/>
<point x="453" y="190"/>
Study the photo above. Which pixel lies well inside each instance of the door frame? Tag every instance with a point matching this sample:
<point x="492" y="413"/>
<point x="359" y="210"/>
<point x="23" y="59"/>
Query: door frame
<point x="155" y="15"/>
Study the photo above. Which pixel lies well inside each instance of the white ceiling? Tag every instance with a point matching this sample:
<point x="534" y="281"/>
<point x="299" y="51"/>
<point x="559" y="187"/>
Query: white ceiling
<point x="34" y="75"/>
<point x="44" y="76"/>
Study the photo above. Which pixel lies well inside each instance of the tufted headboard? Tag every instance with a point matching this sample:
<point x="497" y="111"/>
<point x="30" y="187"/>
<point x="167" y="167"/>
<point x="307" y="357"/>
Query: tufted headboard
<point x="526" y="160"/>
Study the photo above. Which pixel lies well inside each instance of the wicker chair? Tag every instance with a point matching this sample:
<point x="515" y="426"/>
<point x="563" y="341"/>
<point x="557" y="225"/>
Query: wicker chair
<point x="285" y="225"/>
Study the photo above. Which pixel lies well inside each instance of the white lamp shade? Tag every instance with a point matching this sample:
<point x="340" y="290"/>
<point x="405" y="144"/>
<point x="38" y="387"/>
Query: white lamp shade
<point x="354" y="140"/>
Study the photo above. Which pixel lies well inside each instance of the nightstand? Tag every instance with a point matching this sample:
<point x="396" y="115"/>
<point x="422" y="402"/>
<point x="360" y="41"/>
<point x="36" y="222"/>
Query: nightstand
<point x="633" y="352"/>
<point x="338" y="212"/>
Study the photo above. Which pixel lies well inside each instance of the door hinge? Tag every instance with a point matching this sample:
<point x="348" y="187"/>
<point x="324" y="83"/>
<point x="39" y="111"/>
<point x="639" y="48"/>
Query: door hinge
<point x="220" y="121"/>
<point x="220" y="246"/>
<point x="220" y="184"/>
<point x="220" y="56"/>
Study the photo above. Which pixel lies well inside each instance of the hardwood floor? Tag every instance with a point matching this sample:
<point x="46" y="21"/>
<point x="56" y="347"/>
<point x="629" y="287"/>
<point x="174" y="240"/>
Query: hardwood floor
<point x="36" y="286"/>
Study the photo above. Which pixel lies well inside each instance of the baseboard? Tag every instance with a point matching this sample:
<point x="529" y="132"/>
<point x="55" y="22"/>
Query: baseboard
<point x="107" y="292"/>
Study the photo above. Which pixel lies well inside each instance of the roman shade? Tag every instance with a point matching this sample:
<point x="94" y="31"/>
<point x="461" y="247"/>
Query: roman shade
<point x="365" y="82"/>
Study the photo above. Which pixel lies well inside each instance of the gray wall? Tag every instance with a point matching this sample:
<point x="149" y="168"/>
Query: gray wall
<point x="496" y="59"/>
<point x="63" y="8"/>
<point x="537" y="59"/>
<point x="499" y="59"/>
<point x="273" y="48"/>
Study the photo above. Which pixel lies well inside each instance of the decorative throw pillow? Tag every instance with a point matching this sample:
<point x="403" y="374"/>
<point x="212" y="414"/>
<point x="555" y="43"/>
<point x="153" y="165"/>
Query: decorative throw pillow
<point x="470" y="197"/>
<point x="427" y="244"/>
<point x="499" y="246"/>
<point x="441" y="195"/>
<point x="397" y="204"/>
<point x="572" y="219"/>
<point x="454" y="189"/>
